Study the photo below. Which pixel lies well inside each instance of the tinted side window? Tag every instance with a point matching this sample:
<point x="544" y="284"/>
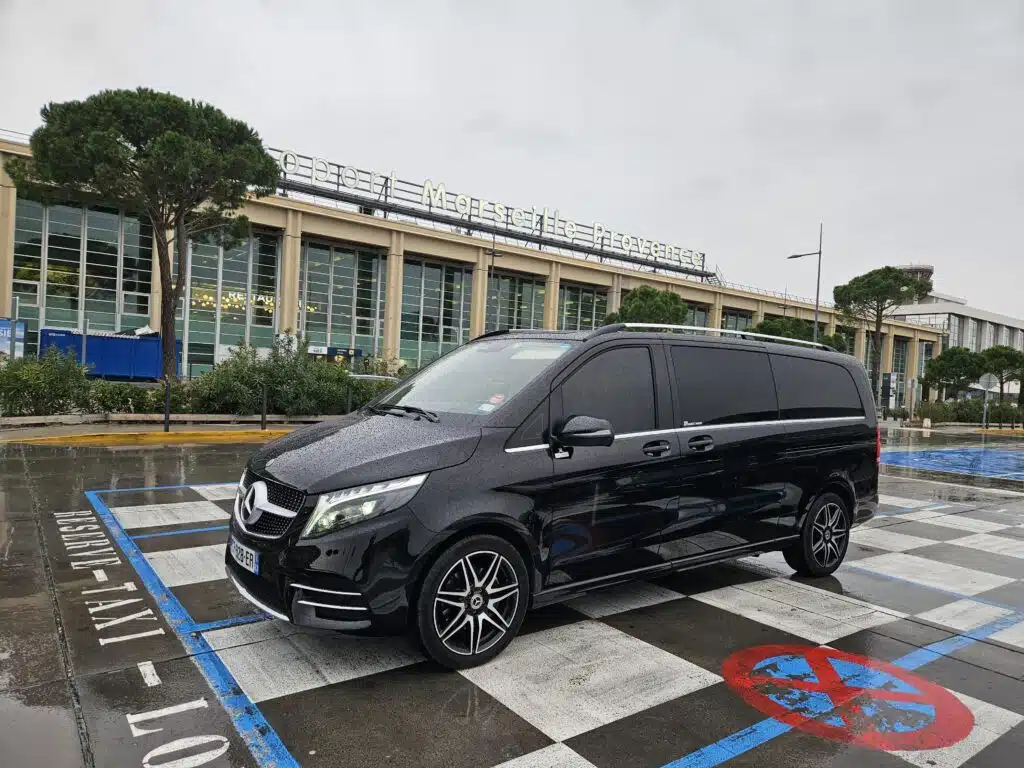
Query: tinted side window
<point x="617" y="385"/>
<point x="814" y="389"/>
<point x="722" y="386"/>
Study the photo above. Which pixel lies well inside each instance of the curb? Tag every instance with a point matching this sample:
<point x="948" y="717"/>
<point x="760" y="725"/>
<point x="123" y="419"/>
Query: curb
<point x="156" y="438"/>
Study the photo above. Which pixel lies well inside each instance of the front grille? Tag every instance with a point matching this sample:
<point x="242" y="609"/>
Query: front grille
<point x="269" y="524"/>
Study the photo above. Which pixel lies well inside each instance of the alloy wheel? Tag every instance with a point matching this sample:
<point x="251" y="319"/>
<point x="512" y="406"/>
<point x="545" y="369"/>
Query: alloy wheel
<point x="828" y="535"/>
<point x="476" y="603"/>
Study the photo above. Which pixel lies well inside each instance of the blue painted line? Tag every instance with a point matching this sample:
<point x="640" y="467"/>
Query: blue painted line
<point x="262" y="740"/>
<point x="234" y="621"/>
<point x="761" y="732"/>
<point x="180" y="532"/>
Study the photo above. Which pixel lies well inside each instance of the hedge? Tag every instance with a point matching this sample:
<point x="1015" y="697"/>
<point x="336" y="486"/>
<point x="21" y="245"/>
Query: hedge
<point x="296" y="384"/>
<point x="969" y="411"/>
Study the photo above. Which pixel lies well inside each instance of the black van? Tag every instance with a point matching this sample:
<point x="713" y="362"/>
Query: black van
<point x="527" y="467"/>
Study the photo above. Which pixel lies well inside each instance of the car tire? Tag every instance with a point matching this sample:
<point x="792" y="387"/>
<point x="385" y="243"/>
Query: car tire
<point x="824" y="538"/>
<point x="472" y="601"/>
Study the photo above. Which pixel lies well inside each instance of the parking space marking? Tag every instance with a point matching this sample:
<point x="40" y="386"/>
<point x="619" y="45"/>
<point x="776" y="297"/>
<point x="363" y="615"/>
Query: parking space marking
<point x="998" y="545"/>
<point x="627" y="597"/>
<point x="149" y="674"/>
<point x="888" y="539"/>
<point x="929" y="573"/>
<point x="555" y="756"/>
<point x="176" y="513"/>
<point x="1011" y="635"/>
<point x="901" y="502"/>
<point x="571" y="679"/>
<point x="216" y="492"/>
<point x="966" y="523"/>
<point x="965" y="615"/>
<point x="177" y="567"/>
<point x="807" y="612"/>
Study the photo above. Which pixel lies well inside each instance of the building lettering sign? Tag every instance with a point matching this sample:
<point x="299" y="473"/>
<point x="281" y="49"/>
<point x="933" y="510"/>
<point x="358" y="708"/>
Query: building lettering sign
<point x="435" y="197"/>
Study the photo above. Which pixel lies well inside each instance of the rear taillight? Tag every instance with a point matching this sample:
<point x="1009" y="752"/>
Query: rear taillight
<point x="878" y="445"/>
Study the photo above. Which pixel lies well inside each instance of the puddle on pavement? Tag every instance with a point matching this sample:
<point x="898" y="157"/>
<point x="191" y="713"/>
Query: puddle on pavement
<point x="38" y="731"/>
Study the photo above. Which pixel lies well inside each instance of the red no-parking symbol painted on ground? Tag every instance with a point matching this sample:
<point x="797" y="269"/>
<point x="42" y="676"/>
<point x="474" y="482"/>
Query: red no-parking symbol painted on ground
<point x="849" y="698"/>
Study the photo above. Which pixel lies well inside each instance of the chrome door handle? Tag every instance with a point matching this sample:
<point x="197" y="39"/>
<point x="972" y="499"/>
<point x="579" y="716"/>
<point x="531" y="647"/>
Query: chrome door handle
<point x="657" y="448"/>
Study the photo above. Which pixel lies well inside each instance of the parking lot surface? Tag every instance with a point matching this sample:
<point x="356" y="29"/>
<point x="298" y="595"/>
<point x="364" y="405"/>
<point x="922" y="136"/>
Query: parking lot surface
<point x="123" y="643"/>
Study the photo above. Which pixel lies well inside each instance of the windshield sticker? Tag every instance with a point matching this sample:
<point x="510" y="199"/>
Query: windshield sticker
<point x="497" y="399"/>
<point x="487" y="407"/>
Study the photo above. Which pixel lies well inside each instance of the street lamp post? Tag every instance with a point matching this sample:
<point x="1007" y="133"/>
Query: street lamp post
<point x="817" y="289"/>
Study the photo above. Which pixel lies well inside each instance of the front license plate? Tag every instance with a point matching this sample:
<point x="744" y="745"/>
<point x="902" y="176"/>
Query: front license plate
<point x="245" y="557"/>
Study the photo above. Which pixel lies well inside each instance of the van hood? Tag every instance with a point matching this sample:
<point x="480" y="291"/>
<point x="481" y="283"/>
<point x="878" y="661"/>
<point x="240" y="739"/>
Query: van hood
<point x="362" y="448"/>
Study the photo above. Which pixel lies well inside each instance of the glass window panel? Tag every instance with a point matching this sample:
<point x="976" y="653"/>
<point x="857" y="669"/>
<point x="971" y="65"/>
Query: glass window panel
<point x="101" y="249"/>
<point x="316" y="275"/>
<point x="64" y="257"/>
<point x="203" y="303"/>
<point x="234" y="300"/>
<point x="430" y="347"/>
<point x="28" y="249"/>
<point x="409" y="336"/>
<point x="263" y="301"/>
<point x="137" y="263"/>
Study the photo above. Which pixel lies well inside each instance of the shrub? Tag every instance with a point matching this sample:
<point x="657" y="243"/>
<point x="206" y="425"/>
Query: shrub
<point x="118" y="397"/>
<point x="52" y="384"/>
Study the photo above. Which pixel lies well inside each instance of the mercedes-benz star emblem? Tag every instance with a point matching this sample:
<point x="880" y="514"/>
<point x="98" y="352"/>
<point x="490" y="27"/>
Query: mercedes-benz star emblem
<point x="251" y="508"/>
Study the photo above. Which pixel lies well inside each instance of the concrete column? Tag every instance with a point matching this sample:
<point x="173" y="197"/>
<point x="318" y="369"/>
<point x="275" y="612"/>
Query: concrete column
<point x="913" y="360"/>
<point x="551" y="296"/>
<point x="8" y="203"/>
<point x="393" y="297"/>
<point x="478" y="305"/>
<point x="759" y="313"/>
<point x="888" y="342"/>
<point x="288" y="322"/>
<point x="860" y="345"/>
<point x="715" y="321"/>
<point x="615" y="295"/>
<point x="933" y="394"/>
<point x="830" y="324"/>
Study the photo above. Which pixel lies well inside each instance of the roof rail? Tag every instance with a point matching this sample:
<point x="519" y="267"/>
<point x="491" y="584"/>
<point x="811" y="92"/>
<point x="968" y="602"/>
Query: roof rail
<point x="613" y="328"/>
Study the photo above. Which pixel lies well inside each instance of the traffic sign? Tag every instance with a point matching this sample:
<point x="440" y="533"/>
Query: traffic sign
<point x="847" y="697"/>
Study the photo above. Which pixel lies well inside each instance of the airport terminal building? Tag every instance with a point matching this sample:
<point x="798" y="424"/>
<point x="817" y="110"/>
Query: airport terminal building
<point x="356" y="259"/>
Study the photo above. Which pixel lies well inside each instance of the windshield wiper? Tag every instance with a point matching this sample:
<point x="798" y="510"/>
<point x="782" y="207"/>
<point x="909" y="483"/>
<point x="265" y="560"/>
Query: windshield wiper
<point x="411" y="409"/>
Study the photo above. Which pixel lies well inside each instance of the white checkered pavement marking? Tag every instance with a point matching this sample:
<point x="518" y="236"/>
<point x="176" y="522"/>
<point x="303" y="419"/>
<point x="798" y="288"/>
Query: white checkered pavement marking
<point x="964" y="523"/>
<point x="244" y="634"/>
<point x="965" y="615"/>
<point x="1011" y="635"/>
<point x="990" y="722"/>
<point x="178" y="567"/>
<point x="811" y="613"/>
<point x="552" y="756"/>
<point x="571" y="679"/>
<point x="887" y="539"/>
<point x="929" y="573"/>
<point x="221" y="492"/>
<point x="605" y="602"/>
<point x="151" y="515"/>
<point x="304" y="660"/>
<point x="901" y="502"/>
<point x="997" y="545"/>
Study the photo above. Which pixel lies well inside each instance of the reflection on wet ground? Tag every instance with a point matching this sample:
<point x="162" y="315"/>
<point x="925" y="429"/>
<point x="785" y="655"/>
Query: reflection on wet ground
<point x="99" y="667"/>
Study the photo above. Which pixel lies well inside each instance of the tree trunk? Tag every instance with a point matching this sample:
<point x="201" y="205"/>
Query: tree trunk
<point x="167" y="303"/>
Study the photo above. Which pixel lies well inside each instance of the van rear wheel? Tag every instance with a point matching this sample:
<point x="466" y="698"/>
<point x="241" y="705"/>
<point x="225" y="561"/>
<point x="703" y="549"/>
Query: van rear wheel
<point x="824" y="538"/>
<point x="473" y="601"/>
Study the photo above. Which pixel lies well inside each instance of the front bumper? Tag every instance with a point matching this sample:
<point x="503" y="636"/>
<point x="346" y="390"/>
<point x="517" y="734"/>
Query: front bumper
<point x="358" y="580"/>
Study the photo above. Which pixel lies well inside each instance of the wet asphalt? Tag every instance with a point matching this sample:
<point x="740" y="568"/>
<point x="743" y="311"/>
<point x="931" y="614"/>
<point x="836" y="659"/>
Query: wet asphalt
<point x="94" y="670"/>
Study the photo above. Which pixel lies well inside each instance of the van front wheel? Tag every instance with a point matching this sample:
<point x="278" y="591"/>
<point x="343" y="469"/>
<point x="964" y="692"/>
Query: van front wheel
<point x="472" y="602"/>
<point x="824" y="539"/>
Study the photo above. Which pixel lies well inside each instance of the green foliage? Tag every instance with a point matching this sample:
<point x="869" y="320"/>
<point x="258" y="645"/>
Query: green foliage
<point x="118" y="397"/>
<point x="648" y="305"/>
<point x="954" y="370"/>
<point x="969" y="412"/>
<point x="795" y="328"/>
<point x="871" y="297"/>
<point x="184" y="164"/>
<point x="53" y="384"/>
<point x="1003" y="362"/>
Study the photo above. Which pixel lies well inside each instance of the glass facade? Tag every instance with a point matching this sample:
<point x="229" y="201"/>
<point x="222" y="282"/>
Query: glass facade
<point x="1018" y="339"/>
<point x="969" y="338"/>
<point x="436" y="300"/>
<point x="987" y="336"/>
<point x="900" y="350"/>
<point x="341" y="297"/>
<point x="514" y="302"/>
<point x="75" y="263"/>
<point x="231" y="295"/>
<point x="581" y="308"/>
<point x="697" y="314"/>
<point x="737" y="320"/>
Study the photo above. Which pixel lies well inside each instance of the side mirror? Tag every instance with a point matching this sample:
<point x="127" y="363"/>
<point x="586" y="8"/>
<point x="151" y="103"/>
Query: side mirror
<point x="584" y="431"/>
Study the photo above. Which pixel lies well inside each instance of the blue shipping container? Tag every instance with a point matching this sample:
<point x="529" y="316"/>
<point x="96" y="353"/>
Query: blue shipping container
<point x="111" y="355"/>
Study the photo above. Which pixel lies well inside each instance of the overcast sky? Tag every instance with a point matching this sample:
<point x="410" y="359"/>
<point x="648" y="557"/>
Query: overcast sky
<point x="727" y="127"/>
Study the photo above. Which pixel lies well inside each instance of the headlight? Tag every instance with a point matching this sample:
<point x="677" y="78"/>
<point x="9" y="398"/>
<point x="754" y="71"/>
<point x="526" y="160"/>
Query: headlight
<point x="340" y="508"/>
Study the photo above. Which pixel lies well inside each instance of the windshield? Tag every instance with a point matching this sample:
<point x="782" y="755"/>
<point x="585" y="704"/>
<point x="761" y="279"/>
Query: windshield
<point x="478" y="378"/>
